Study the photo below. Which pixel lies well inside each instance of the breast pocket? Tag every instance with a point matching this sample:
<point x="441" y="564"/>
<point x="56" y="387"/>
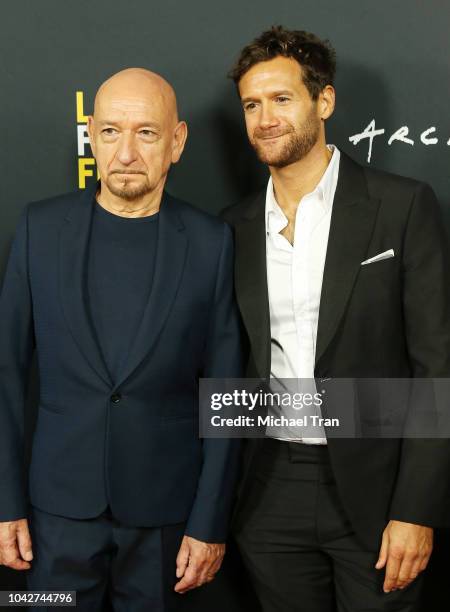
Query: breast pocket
<point x="380" y="265"/>
<point x="379" y="271"/>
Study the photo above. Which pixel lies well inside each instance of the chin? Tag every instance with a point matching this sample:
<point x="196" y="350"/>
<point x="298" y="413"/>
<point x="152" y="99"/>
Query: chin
<point x="129" y="190"/>
<point x="270" y="160"/>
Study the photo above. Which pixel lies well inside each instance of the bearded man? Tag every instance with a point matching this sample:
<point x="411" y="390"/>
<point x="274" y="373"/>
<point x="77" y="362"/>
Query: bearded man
<point x="341" y="272"/>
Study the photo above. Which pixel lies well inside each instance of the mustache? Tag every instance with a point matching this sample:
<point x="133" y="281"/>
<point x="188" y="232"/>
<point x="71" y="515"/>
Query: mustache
<point x="118" y="171"/>
<point x="270" y="133"/>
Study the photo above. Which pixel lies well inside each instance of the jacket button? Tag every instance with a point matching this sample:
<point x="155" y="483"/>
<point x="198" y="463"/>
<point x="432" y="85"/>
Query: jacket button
<point x="115" y="398"/>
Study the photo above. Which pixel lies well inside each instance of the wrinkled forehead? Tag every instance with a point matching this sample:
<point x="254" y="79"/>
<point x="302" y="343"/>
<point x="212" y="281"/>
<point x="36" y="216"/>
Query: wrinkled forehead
<point x="135" y="99"/>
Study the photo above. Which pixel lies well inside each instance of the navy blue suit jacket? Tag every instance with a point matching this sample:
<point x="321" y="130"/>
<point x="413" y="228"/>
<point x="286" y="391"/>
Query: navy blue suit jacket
<point x="133" y="442"/>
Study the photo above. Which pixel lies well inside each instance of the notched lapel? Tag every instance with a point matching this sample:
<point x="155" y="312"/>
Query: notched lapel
<point x="169" y="265"/>
<point x="352" y="224"/>
<point x="73" y="253"/>
<point x="251" y="282"/>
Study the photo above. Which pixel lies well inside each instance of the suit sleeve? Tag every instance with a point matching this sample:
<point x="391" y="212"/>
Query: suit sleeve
<point x="210" y="514"/>
<point x="16" y="349"/>
<point x="422" y="491"/>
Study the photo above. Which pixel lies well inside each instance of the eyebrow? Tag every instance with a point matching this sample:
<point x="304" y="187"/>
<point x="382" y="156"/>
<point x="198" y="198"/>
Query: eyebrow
<point x="141" y="124"/>
<point x="273" y="94"/>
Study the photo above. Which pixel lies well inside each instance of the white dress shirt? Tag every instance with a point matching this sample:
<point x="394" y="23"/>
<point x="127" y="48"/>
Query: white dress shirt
<point x="294" y="277"/>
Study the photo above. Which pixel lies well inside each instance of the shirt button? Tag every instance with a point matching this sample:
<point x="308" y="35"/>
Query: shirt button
<point x="115" y="398"/>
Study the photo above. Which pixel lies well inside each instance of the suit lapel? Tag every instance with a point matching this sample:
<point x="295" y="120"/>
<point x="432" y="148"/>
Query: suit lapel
<point x="251" y="281"/>
<point x="352" y="222"/>
<point x="73" y="253"/>
<point x="170" y="259"/>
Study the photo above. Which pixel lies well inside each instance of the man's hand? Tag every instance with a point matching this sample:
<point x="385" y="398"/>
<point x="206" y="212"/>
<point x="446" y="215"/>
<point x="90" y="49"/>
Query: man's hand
<point x="15" y="544"/>
<point x="197" y="562"/>
<point x="405" y="551"/>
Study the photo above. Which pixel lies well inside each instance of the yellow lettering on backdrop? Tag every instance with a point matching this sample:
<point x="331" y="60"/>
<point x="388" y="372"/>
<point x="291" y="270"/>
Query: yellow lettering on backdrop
<point x="84" y="170"/>
<point x="81" y="117"/>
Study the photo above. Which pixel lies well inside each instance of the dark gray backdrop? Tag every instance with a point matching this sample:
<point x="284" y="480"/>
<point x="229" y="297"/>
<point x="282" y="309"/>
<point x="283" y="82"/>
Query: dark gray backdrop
<point x="393" y="66"/>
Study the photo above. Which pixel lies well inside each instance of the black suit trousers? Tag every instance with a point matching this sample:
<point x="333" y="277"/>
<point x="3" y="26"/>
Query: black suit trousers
<point x="298" y="544"/>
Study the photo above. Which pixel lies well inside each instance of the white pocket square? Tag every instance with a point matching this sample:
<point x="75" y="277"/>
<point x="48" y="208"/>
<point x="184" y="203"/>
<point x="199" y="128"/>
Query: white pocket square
<point x="379" y="257"/>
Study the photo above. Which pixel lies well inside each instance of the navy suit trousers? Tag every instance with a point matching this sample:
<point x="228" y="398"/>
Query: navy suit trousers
<point x="107" y="563"/>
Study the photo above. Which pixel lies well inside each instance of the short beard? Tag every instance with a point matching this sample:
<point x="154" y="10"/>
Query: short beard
<point x="128" y="193"/>
<point x="299" y="143"/>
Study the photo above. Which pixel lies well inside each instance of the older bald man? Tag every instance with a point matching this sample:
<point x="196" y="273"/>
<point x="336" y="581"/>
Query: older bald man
<point x="126" y="294"/>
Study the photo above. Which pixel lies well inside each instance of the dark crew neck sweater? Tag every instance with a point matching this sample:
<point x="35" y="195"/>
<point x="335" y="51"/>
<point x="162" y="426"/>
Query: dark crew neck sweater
<point x="121" y="264"/>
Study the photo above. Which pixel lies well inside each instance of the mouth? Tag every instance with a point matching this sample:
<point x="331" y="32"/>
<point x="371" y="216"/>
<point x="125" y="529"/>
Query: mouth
<point x="127" y="173"/>
<point x="268" y="138"/>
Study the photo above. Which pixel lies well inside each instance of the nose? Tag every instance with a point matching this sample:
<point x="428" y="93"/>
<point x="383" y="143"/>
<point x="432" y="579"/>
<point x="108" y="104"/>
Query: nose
<point x="267" y="118"/>
<point x="127" y="151"/>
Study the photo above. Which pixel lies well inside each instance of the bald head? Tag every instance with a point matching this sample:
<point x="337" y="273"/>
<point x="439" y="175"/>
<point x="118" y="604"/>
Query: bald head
<point x="135" y="133"/>
<point x="137" y="85"/>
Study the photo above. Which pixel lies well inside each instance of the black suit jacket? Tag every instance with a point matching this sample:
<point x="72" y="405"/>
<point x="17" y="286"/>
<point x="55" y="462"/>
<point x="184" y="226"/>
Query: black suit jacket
<point x="390" y="319"/>
<point x="132" y="442"/>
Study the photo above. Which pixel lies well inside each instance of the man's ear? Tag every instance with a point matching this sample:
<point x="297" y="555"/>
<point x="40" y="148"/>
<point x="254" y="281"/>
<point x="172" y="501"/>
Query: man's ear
<point x="179" y="140"/>
<point x="326" y="102"/>
<point x="90" y="130"/>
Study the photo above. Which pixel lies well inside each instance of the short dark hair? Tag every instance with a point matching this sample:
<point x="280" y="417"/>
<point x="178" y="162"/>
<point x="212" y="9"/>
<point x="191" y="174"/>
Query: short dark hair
<point x="316" y="57"/>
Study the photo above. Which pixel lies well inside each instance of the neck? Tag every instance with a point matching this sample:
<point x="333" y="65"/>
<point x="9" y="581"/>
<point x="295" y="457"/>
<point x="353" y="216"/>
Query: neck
<point x="293" y="182"/>
<point x="144" y="206"/>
